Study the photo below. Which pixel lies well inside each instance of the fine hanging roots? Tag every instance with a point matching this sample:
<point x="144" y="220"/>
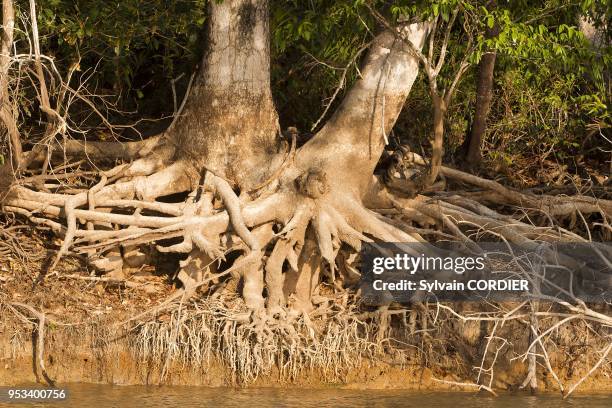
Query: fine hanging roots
<point x="213" y="331"/>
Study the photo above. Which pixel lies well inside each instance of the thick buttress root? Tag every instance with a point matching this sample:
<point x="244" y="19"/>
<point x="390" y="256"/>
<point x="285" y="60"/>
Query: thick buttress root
<point x="122" y="210"/>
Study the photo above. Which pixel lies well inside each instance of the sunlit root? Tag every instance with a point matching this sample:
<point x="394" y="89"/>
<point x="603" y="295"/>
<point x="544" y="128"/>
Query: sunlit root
<point x="100" y="151"/>
<point x="285" y="264"/>
<point x="284" y="268"/>
<point x="498" y="194"/>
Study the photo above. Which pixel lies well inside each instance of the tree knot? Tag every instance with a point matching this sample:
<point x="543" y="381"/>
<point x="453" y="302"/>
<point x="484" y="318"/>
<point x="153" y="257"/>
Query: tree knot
<point x="313" y="183"/>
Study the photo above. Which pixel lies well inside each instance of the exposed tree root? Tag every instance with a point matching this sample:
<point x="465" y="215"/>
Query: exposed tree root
<point x="284" y="234"/>
<point x="291" y="236"/>
<point x="99" y="151"/>
<point x="301" y="207"/>
<point x="40" y="334"/>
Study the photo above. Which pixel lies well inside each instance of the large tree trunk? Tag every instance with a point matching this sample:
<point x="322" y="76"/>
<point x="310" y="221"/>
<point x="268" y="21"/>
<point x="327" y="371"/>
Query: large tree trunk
<point x="229" y="124"/>
<point x="484" y="95"/>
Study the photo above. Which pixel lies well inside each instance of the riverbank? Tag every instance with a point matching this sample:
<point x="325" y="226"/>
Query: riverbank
<point x="114" y="332"/>
<point x="94" y="354"/>
<point x="115" y="364"/>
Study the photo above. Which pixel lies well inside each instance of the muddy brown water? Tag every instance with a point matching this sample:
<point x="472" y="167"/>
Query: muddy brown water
<point x="82" y="395"/>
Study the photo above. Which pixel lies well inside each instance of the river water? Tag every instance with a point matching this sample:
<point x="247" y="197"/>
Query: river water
<point x="92" y="396"/>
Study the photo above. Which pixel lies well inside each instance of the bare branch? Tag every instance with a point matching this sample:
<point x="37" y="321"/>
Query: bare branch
<point x="432" y="38"/>
<point x="591" y="371"/>
<point x="444" y="46"/>
<point x="341" y="84"/>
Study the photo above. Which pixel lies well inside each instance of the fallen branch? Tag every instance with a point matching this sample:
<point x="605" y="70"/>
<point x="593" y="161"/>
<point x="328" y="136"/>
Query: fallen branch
<point x="466" y="384"/>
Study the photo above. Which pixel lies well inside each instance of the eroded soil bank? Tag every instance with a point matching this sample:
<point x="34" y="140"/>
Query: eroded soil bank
<point x="68" y="361"/>
<point x="95" y="354"/>
<point x="95" y="332"/>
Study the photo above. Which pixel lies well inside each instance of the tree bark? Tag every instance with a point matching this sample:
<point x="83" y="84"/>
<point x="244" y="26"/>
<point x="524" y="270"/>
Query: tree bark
<point x="484" y="95"/>
<point x="6" y="112"/>
<point x="229" y="124"/>
<point x="437" y="145"/>
<point x="228" y="128"/>
<point x="594" y="35"/>
<point x="353" y="139"/>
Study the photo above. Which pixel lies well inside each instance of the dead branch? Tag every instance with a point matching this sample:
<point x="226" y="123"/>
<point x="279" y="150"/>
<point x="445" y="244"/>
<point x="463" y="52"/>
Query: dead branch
<point x="466" y="384"/>
<point x="40" y="335"/>
<point x="591" y="371"/>
<point x="7" y="115"/>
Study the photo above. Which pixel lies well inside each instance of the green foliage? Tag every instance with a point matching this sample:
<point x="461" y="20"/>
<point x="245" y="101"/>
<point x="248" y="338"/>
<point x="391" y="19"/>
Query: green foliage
<point x="312" y="41"/>
<point x="552" y="86"/>
<point x="122" y="39"/>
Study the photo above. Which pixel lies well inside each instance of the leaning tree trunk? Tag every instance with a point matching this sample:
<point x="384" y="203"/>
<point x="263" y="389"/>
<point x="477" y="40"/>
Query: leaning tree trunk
<point x="229" y="124"/>
<point x="352" y="141"/>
